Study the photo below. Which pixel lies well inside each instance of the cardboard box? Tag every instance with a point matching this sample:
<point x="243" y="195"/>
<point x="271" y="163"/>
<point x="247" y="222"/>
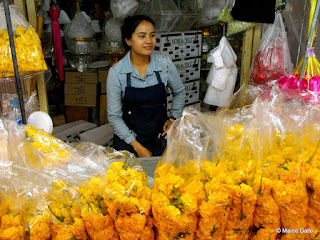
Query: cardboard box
<point x="189" y="69"/>
<point x="70" y="132"/>
<point x="103" y="74"/>
<point x="179" y="45"/>
<point x="192" y="41"/>
<point x="80" y="88"/>
<point x="58" y="120"/>
<point x="103" y="116"/>
<point x="192" y="92"/>
<point x="76" y="113"/>
<point x="170" y="44"/>
<point x="82" y="77"/>
<point x="80" y="100"/>
<point x="102" y="135"/>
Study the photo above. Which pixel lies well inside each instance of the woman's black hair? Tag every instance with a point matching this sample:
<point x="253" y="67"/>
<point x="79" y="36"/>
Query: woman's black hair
<point x="129" y="26"/>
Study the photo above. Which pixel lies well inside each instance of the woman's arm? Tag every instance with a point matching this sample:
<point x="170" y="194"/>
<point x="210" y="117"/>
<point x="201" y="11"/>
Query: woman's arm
<point x="178" y="90"/>
<point x="114" y="107"/>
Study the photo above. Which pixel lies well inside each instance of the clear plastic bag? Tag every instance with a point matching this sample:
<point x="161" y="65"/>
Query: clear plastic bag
<point x="272" y="58"/>
<point x="79" y="27"/>
<point x="112" y="30"/>
<point x="31" y="103"/>
<point x="123" y="8"/>
<point x="27" y="43"/>
<point x="165" y="13"/>
<point x="210" y="12"/>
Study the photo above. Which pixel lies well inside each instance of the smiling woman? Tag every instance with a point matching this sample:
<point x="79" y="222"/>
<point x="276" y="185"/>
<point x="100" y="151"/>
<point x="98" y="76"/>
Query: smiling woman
<point x="136" y="92"/>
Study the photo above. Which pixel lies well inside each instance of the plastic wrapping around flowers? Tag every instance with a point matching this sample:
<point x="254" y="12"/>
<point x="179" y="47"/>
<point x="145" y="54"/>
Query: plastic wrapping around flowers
<point x="308" y="88"/>
<point x="27" y="43"/>
<point x="240" y="174"/>
<point x="272" y="58"/>
<point x="200" y="189"/>
<point x="57" y="191"/>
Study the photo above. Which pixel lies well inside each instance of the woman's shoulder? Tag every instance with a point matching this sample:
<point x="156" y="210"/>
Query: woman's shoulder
<point x="162" y="60"/>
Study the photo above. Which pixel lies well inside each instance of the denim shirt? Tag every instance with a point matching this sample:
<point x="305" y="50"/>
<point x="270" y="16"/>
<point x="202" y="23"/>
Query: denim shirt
<point x="117" y="82"/>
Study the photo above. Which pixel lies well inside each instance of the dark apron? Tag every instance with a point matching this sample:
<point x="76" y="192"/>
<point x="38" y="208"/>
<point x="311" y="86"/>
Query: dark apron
<point x="145" y="113"/>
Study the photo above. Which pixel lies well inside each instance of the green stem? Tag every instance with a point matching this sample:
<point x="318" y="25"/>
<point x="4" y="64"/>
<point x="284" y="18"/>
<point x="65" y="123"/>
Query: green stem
<point x="242" y="217"/>
<point x="174" y="190"/>
<point x="60" y="219"/>
<point x="69" y="211"/>
<point x="122" y="177"/>
<point x="207" y="174"/>
<point x="260" y="189"/>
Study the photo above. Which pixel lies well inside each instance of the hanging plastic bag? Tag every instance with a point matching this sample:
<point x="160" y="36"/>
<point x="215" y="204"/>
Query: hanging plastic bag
<point x="225" y="14"/>
<point x="79" y="27"/>
<point x="165" y="13"/>
<point x="272" y="58"/>
<point x="223" y="74"/>
<point x="123" y="8"/>
<point x="234" y="26"/>
<point x="210" y="13"/>
<point x="112" y="30"/>
<point x="309" y="87"/>
<point x="27" y="43"/>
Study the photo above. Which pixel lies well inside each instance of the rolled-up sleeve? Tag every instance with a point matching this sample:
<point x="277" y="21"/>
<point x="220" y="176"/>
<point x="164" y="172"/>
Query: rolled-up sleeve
<point x="114" y="108"/>
<point x="178" y="90"/>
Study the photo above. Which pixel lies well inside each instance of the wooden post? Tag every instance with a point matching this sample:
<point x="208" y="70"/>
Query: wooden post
<point x="32" y="13"/>
<point x="22" y="6"/>
<point x="246" y="56"/>
<point x="42" y="93"/>
<point x="256" y="38"/>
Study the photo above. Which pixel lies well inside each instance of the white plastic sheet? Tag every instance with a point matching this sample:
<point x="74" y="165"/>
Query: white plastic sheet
<point x="222" y="75"/>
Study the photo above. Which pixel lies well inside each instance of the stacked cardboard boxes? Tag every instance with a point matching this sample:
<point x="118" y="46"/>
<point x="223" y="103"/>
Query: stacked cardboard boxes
<point x="80" y="95"/>
<point x="184" y="49"/>
<point x="80" y="89"/>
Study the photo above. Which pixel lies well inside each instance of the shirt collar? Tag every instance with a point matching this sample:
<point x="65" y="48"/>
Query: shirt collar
<point x="128" y="68"/>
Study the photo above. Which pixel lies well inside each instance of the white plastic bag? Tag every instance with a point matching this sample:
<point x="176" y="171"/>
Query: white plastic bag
<point x="222" y="75"/>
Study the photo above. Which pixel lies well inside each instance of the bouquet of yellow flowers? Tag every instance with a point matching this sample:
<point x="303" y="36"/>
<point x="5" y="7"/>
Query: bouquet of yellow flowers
<point x="214" y="208"/>
<point x="27" y="43"/>
<point x="175" y="196"/>
<point x="64" y="209"/>
<point x="94" y="212"/>
<point x="51" y="149"/>
<point x="128" y="199"/>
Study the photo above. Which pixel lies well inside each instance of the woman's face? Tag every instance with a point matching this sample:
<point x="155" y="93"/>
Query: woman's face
<point x="143" y="39"/>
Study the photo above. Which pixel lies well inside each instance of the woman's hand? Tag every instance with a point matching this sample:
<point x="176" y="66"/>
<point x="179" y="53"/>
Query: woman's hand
<point x="140" y="150"/>
<point x="167" y="126"/>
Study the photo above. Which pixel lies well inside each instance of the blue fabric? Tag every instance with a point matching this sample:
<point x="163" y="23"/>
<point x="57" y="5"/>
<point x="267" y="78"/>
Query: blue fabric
<point x="117" y="82"/>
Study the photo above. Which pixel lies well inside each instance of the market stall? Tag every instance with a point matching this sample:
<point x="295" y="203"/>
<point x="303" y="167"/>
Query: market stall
<point x="247" y="170"/>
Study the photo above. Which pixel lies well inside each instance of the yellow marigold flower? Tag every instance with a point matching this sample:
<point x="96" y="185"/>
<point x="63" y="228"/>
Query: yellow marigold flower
<point x="241" y="210"/>
<point x="29" y="52"/>
<point x="12" y="233"/>
<point x="100" y="227"/>
<point x="40" y="229"/>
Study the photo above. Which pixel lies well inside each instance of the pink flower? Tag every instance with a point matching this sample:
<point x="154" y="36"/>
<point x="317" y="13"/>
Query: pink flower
<point x="289" y="82"/>
<point x="312" y="85"/>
